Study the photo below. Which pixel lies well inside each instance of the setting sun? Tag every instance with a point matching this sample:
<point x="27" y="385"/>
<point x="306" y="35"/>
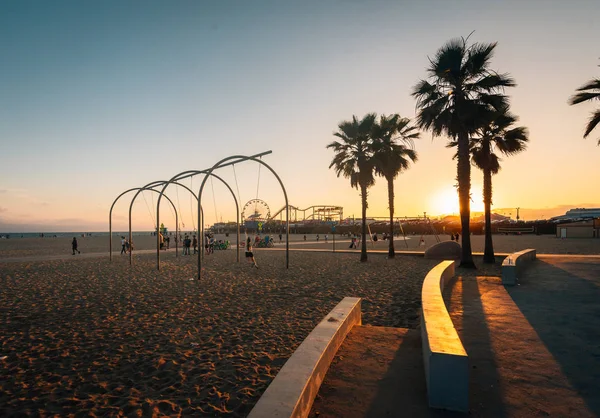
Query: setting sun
<point x="445" y="201"/>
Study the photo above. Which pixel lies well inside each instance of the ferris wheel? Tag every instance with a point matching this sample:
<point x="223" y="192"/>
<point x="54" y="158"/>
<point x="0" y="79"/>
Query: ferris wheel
<point x="256" y="210"/>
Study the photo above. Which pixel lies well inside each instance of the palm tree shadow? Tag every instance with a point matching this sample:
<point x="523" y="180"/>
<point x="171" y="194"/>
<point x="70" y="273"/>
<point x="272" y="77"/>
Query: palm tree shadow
<point x="561" y="304"/>
<point x="463" y="300"/>
<point x="402" y="391"/>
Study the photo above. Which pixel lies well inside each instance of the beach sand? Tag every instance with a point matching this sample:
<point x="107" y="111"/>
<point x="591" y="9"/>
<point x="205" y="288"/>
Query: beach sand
<point x="545" y="244"/>
<point x="84" y="336"/>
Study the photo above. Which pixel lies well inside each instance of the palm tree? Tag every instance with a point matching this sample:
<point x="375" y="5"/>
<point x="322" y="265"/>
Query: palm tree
<point x="462" y="90"/>
<point x="589" y="92"/>
<point x="353" y="159"/>
<point x="392" y="152"/>
<point x="498" y="134"/>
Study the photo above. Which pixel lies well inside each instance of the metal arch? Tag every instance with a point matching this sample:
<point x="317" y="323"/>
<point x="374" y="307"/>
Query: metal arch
<point x="155" y="184"/>
<point x="241" y="158"/>
<point x="150" y="186"/>
<point x="110" y="216"/>
<point x="190" y="173"/>
<point x="111" y="209"/>
<point x="110" y="219"/>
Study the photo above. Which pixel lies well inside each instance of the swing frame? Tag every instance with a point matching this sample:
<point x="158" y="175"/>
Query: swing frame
<point x="237" y="159"/>
<point x="149" y="186"/>
<point x="191" y="173"/>
<point x="208" y="173"/>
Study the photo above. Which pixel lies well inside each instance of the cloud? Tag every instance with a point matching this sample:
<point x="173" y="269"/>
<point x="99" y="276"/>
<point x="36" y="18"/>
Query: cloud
<point x="2" y="209"/>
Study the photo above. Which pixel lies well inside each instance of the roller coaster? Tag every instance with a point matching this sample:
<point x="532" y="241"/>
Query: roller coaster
<point x="321" y="213"/>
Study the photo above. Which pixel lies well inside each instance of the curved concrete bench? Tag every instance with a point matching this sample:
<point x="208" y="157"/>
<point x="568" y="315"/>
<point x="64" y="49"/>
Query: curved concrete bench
<point x="293" y="391"/>
<point x="445" y="250"/>
<point x="446" y="361"/>
<point x="513" y="265"/>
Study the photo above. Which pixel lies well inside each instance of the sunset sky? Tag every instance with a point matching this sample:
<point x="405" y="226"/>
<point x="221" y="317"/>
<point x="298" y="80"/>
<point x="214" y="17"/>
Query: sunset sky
<point x="99" y="97"/>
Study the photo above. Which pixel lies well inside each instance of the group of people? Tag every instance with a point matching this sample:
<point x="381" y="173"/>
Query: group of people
<point x="126" y="246"/>
<point x="354" y="241"/>
<point x="326" y="238"/>
<point x="190" y="243"/>
<point x="454" y="237"/>
<point x="164" y="241"/>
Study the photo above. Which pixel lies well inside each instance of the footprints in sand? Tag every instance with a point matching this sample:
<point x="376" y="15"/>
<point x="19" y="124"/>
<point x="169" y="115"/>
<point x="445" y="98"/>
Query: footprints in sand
<point x="109" y="339"/>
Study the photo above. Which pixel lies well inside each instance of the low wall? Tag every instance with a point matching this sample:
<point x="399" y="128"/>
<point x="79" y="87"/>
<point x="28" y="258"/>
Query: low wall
<point x="513" y="265"/>
<point x="445" y="359"/>
<point x="293" y="391"/>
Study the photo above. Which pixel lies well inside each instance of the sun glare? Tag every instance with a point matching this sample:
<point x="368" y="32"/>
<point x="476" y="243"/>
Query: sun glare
<point x="445" y="202"/>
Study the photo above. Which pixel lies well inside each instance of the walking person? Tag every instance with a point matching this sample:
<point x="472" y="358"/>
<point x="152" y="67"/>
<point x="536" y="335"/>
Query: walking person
<point x="186" y="247"/>
<point x="280" y="237"/>
<point x="123" y="246"/>
<point x="161" y="241"/>
<point x="74" y="246"/>
<point x="249" y="253"/>
<point x="195" y="245"/>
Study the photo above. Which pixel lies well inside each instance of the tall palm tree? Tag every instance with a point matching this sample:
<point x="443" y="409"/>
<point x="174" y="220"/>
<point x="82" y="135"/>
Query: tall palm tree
<point x="392" y="152"/>
<point x="498" y="134"/>
<point x="461" y="91"/>
<point x="589" y="92"/>
<point x="354" y="160"/>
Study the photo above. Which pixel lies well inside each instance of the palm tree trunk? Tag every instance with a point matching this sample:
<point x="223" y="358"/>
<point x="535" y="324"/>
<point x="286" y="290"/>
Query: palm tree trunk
<point x="488" y="254"/>
<point x="390" y="182"/>
<point x="464" y="198"/>
<point x="363" y="246"/>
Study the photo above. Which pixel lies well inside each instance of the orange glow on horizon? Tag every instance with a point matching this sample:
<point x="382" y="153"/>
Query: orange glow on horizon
<point x="445" y="201"/>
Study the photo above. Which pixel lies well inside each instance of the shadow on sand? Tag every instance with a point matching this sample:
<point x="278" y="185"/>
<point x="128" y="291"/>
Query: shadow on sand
<point x="561" y="300"/>
<point x="463" y="300"/>
<point x="402" y="391"/>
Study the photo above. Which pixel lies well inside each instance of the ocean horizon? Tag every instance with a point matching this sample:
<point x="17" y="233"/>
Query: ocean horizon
<point x="77" y="234"/>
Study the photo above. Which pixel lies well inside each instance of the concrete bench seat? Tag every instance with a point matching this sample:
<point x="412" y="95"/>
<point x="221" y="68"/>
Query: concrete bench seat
<point x="293" y="391"/>
<point x="445" y="358"/>
<point x="513" y="265"/>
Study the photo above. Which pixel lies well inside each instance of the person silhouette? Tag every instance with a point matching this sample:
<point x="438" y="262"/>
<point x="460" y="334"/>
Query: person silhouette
<point x="74" y="246"/>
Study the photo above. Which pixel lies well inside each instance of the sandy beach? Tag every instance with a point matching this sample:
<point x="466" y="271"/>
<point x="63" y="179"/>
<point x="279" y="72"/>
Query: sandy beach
<point x="545" y="244"/>
<point x="87" y="335"/>
<point x="83" y="335"/>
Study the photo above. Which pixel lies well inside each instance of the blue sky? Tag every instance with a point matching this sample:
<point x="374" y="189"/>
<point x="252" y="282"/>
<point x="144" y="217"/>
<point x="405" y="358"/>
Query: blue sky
<point x="97" y="97"/>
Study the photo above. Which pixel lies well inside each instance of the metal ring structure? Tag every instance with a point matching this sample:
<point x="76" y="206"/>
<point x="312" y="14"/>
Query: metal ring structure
<point x="150" y="186"/>
<point x="183" y="175"/>
<point x="221" y="164"/>
<point x="180" y="176"/>
<point x="156" y="184"/>
<point x="110" y="215"/>
<point x="191" y="173"/>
